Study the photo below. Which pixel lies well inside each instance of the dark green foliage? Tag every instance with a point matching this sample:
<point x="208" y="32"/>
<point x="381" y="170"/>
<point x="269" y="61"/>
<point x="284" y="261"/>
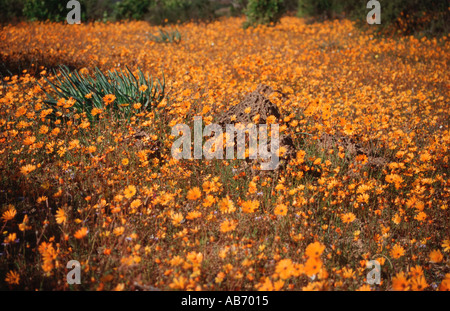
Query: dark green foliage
<point x="174" y="11"/>
<point x="10" y="10"/>
<point x="132" y="9"/>
<point x="429" y="17"/>
<point x="97" y="10"/>
<point x="238" y="7"/>
<point x="53" y="10"/>
<point x="414" y="11"/>
<point x="263" y="12"/>
<point x="423" y="17"/>
<point x="321" y="8"/>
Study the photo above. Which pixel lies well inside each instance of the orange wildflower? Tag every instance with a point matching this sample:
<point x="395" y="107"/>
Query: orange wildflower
<point x="81" y="233"/>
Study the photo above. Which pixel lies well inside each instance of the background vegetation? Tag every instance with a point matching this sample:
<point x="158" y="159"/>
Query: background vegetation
<point x="427" y="17"/>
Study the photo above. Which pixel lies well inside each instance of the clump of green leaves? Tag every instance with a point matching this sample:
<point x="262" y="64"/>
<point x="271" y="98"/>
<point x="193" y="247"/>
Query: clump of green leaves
<point x="131" y="9"/>
<point x="172" y="36"/>
<point x="89" y="92"/>
<point x="263" y="12"/>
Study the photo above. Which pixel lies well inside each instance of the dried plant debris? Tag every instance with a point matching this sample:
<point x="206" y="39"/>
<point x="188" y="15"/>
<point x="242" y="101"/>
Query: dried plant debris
<point x="352" y="148"/>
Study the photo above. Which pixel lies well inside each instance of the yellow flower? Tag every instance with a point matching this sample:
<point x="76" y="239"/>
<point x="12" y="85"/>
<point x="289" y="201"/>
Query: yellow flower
<point x="84" y="71"/>
<point x="314" y="250"/>
<point x="136" y="203"/>
<point x="250" y="206"/>
<point x="176" y="261"/>
<point x="397" y="251"/>
<point x="220" y="277"/>
<point x="81" y="233"/>
<point x="177" y="218"/>
<point x="364" y="288"/>
<point x="208" y="201"/>
<point x="10" y="238"/>
<point x="91" y="149"/>
<point x="194" y="194"/>
<point x="60" y="216"/>
<point x="421" y="216"/>
<point x="266" y="286"/>
<point x="397" y="219"/>
<point x="95" y="111"/>
<point x="400" y="282"/>
<point x="129" y="192"/>
<point x="425" y="157"/>
<point x="228" y="225"/>
<point x="419" y="283"/>
<point x="108" y="99"/>
<point x="313" y="266"/>
<point x="12" y="277"/>
<point x="29" y="140"/>
<point x="178" y="283"/>
<point x="280" y="210"/>
<point x="9" y="214"/>
<point x="118" y="231"/>
<point x="24" y="225"/>
<point x="348" y="218"/>
<point x="445" y="284"/>
<point x="25" y="170"/>
<point x="348" y="273"/>
<point x="446" y="245"/>
<point x="271" y="119"/>
<point x="195" y="258"/>
<point x="416" y="271"/>
<point x="285" y="269"/>
<point x="252" y="187"/>
<point x="193" y="215"/>
<point x="436" y="256"/>
<point x="226" y="205"/>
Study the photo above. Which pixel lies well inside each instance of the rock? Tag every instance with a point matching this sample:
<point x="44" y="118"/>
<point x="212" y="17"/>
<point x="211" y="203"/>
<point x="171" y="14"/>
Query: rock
<point x="258" y="103"/>
<point x="255" y="104"/>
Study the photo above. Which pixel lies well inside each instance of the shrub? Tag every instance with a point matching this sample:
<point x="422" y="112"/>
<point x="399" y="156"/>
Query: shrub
<point x="155" y="11"/>
<point x="89" y="93"/>
<point x="131" y="9"/>
<point x="174" y="11"/>
<point x="53" y="10"/>
<point x="320" y="8"/>
<point x="414" y="16"/>
<point x="97" y="9"/>
<point x="10" y="9"/>
<point x="263" y="12"/>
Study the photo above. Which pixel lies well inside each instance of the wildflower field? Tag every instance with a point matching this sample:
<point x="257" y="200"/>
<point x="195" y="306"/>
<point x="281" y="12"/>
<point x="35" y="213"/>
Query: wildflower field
<point x="93" y="179"/>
